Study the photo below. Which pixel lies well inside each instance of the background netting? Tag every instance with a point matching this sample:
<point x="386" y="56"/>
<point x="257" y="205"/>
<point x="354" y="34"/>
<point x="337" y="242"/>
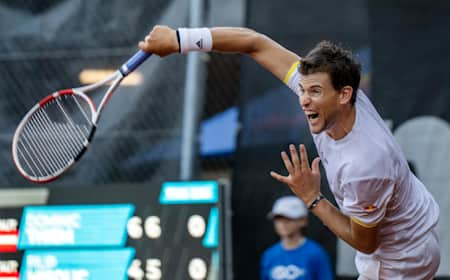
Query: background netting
<point x="46" y="45"/>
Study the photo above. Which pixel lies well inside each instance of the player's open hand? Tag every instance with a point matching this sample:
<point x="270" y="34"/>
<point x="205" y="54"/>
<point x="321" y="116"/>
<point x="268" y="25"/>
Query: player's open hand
<point x="162" y="41"/>
<point x="303" y="180"/>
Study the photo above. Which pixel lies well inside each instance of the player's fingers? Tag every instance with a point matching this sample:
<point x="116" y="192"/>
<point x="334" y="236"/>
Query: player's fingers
<point x="278" y="177"/>
<point x="304" y="157"/>
<point x="287" y="162"/>
<point x="294" y="156"/>
<point x="315" y="165"/>
<point x="142" y="45"/>
<point x="145" y="43"/>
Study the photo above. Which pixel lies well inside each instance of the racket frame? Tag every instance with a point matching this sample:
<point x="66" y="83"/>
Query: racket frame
<point x="24" y="121"/>
<point x="115" y="79"/>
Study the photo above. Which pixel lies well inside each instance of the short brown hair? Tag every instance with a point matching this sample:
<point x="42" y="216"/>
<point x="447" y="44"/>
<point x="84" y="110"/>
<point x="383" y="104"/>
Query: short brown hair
<point x="338" y="62"/>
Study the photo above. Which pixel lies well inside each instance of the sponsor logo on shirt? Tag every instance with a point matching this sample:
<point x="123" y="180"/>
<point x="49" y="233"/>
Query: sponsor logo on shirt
<point x="289" y="272"/>
<point x="370" y="208"/>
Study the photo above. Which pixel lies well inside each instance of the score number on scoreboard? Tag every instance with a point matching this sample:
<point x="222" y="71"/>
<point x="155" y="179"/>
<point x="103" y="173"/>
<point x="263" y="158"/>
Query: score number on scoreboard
<point x="182" y="242"/>
<point x="138" y="232"/>
<point x="196" y="227"/>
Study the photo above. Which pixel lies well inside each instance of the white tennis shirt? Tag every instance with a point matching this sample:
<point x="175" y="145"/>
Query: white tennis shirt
<point x="372" y="184"/>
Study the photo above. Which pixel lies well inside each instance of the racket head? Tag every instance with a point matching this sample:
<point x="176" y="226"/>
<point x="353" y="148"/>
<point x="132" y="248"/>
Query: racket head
<point x="53" y="135"/>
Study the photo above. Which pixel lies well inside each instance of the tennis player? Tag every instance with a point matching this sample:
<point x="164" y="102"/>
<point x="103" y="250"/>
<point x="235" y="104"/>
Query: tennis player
<point x="385" y="212"/>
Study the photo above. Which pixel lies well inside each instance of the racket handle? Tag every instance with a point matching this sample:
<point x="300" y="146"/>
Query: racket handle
<point x="134" y="62"/>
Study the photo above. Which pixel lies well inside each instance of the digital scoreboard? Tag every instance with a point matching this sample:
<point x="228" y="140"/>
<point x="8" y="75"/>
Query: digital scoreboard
<point x="173" y="231"/>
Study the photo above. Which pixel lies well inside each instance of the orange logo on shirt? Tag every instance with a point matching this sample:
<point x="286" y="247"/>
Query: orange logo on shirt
<point x="370" y="208"/>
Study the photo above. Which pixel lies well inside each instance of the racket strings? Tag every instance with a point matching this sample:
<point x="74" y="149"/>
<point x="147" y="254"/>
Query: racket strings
<point x="52" y="160"/>
<point x="31" y="147"/>
<point x="44" y="120"/>
<point x="54" y="135"/>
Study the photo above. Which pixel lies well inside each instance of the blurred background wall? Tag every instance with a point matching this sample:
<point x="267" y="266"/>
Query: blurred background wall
<point x="247" y="116"/>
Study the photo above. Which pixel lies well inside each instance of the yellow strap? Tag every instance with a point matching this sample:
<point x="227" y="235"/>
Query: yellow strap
<point x="356" y="221"/>
<point x="291" y="70"/>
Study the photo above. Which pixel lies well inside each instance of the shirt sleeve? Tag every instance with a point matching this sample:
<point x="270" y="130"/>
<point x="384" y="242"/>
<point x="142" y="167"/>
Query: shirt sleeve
<point x="292" y="78"/>
<point x="365" y="201"/>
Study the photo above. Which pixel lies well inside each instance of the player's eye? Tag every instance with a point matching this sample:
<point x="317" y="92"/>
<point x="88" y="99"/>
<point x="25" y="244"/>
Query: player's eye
<point x="315" y="93"/>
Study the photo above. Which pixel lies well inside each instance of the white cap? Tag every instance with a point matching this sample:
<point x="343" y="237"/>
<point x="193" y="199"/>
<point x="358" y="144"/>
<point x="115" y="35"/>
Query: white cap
<point x="290" y="207"/>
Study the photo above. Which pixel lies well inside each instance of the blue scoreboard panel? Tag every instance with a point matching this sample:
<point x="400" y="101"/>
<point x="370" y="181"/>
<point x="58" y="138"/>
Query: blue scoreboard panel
<point x="173" y="231"/>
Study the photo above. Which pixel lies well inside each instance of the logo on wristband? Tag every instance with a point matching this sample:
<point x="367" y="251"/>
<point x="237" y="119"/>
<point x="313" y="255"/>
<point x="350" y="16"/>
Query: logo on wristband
<point x="199" y="43"/>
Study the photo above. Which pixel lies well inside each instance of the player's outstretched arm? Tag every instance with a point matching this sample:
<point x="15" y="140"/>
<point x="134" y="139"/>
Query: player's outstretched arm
<point x="163" y="41"/>
<point x="265" y="51"/>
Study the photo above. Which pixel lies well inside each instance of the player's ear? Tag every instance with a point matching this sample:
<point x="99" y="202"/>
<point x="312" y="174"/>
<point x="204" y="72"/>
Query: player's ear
<point x="345" y="94"/>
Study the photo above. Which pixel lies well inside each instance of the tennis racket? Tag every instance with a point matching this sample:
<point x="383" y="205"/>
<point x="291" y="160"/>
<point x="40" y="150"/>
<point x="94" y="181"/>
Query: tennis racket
<point x="56" y="132"/>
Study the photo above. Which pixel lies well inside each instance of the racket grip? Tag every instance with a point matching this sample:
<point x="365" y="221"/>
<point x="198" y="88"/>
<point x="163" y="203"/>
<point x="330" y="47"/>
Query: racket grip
<point x="134" y="62"/>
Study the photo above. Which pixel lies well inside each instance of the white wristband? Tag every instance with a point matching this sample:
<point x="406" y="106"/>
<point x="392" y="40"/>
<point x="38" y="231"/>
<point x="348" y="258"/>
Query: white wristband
<point x="195" y="39"/>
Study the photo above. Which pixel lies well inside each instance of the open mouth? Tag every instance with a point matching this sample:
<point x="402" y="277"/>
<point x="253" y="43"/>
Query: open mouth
<point x="312" y="116"/>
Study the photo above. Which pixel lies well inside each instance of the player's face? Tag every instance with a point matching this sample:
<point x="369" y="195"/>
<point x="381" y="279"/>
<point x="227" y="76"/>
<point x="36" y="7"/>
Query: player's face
<point x="285" y="227"/>
<point x="319" y="100"/>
